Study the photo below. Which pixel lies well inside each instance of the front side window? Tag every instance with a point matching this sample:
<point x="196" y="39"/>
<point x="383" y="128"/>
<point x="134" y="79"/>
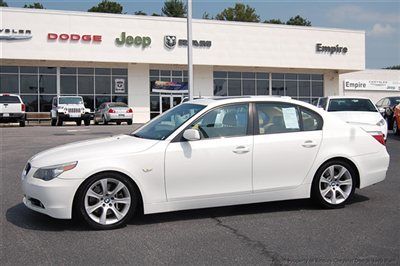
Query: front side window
<point x="164" y="125"/>
<point x="225" y="121"/>
<point x="277" y="118"/>
<point x="351" y="104"/>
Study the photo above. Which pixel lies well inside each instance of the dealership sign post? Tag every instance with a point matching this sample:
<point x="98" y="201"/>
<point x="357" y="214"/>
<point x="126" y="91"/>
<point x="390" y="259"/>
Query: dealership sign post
<point x="371" y="85"/>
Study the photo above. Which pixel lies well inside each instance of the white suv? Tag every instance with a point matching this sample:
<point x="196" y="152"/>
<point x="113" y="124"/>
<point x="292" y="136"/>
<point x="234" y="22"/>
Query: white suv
<point x="12" y="109"/>
<point x="69" y="108"/>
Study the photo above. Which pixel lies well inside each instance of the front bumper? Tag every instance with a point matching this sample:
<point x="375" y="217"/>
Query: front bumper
<point x="74" y="117"/>
<point x="53" y="198"/>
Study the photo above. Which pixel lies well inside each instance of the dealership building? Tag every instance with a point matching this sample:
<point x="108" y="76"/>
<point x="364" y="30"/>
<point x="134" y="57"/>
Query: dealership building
<point x="141" y="60"/>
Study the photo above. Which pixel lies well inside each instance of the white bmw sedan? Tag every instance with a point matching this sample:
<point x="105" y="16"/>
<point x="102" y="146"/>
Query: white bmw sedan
<point x="206" y="153"/>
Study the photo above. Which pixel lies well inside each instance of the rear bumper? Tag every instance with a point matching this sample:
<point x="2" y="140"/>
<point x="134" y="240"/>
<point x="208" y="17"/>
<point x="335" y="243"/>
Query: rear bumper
<point x="372" y="167"/>
<point x="118" y="117"/>
<point x="12" y="117"/>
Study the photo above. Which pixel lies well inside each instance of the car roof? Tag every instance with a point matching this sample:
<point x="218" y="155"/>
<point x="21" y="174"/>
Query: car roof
<point x="9" y="94"/>
<point x="347" y="97"/>
<point x="216" y="101"/>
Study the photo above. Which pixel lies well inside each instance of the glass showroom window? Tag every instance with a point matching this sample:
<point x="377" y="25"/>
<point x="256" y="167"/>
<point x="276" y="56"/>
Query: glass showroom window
<point x="36" y="85"/>
<point x="163" y="99"/>
<point x="240" y="83"/>
<point x="95" y="85"/>
<point x="305" y="87"/>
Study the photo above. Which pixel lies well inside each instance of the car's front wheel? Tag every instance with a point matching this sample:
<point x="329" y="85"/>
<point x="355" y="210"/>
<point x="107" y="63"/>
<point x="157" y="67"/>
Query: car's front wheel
<point x="334" y="184"/>
<point x="107" y="201"/>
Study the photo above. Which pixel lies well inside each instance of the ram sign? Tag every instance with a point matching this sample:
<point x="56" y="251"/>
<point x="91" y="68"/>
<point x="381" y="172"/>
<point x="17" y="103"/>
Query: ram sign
<point x="371" y="85"/>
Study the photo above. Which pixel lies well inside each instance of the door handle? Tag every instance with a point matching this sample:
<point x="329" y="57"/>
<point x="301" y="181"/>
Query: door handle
<point x="309" y="144"/>
<point x="241" y="150"/>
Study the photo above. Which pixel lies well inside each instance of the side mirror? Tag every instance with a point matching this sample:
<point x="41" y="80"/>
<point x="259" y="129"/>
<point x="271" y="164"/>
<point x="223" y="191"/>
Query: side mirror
<point x="191" y="134"/>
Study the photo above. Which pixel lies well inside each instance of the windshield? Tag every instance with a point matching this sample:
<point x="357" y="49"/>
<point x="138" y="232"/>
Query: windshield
<point x="70" y="100"/>
<point x="164" y="125"/>
<point x="351" y="104"/>
<point x="395" y="100"/>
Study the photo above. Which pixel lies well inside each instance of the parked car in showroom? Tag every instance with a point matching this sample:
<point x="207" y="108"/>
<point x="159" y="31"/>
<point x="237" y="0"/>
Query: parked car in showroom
<point x="69" y="108"/>
<point x="117" y="112"/>
<point x="12" y="109"/>
<point x="357" y="111"/>
<point x="386" y="108"/>
<point x="207" y="153"/>
<point x="396" y="120"/>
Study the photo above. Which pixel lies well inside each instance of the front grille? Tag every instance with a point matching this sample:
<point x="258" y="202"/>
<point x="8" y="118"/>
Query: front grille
<point x="74" y="110"/>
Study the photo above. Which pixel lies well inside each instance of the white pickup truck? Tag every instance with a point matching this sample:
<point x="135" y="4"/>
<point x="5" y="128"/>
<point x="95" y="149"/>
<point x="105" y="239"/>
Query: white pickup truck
<point x="69" y="108"/>
<point x="12" y="109"/>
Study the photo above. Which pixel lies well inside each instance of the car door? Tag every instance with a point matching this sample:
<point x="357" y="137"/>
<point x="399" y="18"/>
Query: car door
<point x="286" y="142"/>
<point x="216" y="165"/>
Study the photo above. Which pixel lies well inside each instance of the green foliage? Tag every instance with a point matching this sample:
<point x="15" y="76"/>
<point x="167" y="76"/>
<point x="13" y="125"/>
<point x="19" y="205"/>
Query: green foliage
<point x="298" y="21"/>
<point x="106" y="6"/>
<point x="35" y="5"/>
<point x="396" y="67"/>
<point x="274" y="21"/>
<point x="206" y="15"/>
<point x="174" y="8"/>
<point x="140" y="13"/>
<point x="155" y="15"/>
<point x="239" y="12"/>
<point x="3" y="3"/>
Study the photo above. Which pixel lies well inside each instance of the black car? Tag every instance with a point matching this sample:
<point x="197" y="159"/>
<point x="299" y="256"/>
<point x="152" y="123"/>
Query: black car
<point x="386" y="108"/>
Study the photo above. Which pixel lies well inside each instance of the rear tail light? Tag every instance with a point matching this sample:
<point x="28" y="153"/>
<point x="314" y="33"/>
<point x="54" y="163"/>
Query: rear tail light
<point x="129" y="110"/>
<point x="380" y="138"/>
<point x="111" y="111"/>
<point x="23" y="107"/>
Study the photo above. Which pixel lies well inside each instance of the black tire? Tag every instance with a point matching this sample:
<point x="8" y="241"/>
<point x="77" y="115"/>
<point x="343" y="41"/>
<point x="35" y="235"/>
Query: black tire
<point x="87" y="121"/>
<point x="53" y="122"/>
<point x="118" y="123"/>
<point x="80" y="200"/>
<point x="105" y="122"/>
<point x="129" y="122"/>
<point x="396" y="129"/>
<point x="389" y="123"/>
<point x="78" y="123"/>
<point x="96" y="122"/>
<point x="59" y="121"/>
<point x="22" y="123"/>
<point x="315" y="189"/>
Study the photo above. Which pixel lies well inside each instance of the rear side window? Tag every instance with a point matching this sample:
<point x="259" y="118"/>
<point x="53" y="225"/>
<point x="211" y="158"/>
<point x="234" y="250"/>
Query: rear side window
<point x="311" y="120"/>
<point x="9" y="99"/>
<point x="277" y="118"/>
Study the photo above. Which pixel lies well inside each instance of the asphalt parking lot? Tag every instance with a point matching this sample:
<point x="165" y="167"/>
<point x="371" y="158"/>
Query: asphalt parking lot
<point x="366" y="231"/>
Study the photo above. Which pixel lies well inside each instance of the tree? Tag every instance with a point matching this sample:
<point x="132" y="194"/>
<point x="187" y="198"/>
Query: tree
<point x="206" y="15"/>
<point x="140" y="12"/>
<point x="298" y="21"/>
<point x="274" y="21"/>
<point x="35" y="5"/>
<point x="3" y="4"/>
<point x="174" y="8"/>
<point x="239" y="12"/>
<point x="155" y="15"/>
<point x="106" y="6"/>
<point x="397" y="67"/>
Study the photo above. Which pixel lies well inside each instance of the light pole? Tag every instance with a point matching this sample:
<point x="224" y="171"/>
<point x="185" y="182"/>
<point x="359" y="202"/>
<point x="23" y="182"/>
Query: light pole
<point x="189" y="47"/>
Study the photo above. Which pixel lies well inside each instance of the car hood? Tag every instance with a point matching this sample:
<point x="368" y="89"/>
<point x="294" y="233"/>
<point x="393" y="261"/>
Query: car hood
<point x="89" y="149"/>
<point x="359" y="118"/>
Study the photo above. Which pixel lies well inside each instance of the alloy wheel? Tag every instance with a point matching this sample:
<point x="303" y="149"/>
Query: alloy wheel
<point x="107" y="201"/>
<point x="335" y="184"/>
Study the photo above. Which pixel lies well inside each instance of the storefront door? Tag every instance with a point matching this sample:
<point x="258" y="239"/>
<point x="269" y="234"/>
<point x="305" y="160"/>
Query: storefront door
<point x="169" y="101"/>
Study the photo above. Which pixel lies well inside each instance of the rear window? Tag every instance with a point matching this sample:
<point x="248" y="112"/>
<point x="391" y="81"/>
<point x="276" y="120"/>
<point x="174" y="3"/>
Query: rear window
<point x="117" y="105"/>
<point x="351" y="104"/>
<point x="9" y="99"/>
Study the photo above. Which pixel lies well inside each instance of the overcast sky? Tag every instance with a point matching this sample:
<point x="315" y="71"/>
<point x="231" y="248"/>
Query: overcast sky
<point x="380" y="19"/>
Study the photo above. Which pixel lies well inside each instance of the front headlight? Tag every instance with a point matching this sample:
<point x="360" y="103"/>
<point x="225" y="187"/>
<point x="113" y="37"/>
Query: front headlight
<point x="50" y="172"/>
<point x="380" y="122"/>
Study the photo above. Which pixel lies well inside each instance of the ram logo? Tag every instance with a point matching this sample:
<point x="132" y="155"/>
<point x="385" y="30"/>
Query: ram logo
<point x="169" y="41"/>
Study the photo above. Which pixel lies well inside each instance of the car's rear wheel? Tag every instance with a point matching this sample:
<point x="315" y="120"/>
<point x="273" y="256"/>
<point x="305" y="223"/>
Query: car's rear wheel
<point x="396" y="130"/>
<point x="107" y="201"/>
<point x="118" y="122"/>
<point x="105" y="122"/>
<point x="22" y="123"/>
<point x="53" y="122"/>
<point x="129" y="122"/>
<point x="334" y="184"/>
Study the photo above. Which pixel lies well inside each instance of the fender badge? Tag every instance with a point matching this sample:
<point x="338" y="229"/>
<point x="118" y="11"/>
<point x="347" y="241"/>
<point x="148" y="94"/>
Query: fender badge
<point x="146" y="170"/>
